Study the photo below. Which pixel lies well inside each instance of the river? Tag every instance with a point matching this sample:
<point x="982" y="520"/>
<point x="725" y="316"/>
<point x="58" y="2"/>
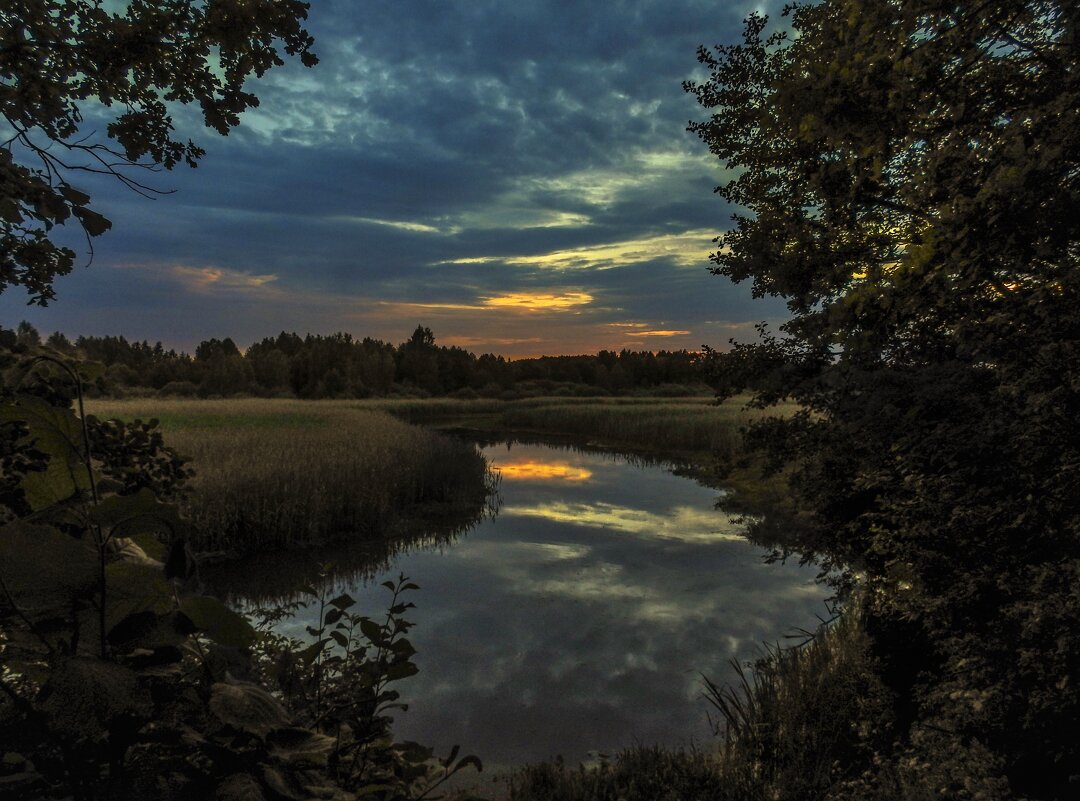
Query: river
<point x="580" y="618"/>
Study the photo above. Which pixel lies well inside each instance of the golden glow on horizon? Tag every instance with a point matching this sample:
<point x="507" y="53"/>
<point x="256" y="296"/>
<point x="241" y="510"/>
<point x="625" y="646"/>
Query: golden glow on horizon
<point x="514" y="322"/>
<point x="659" y="333"/>
<point x="532" y="470"/>
<point x="538" y="300"/>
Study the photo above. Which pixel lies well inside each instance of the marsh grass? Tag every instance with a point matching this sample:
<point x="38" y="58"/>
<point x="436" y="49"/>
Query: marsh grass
<point x="801" y="724"/>
<point x="804" y="720"/>
<point x="636" y="774"/>
<point x="286" y="472"/>
<point x="697" y="433"/>
<point x="693" y="426"/>
<point x="273" y="474"/>
<point x="231" y="419"/>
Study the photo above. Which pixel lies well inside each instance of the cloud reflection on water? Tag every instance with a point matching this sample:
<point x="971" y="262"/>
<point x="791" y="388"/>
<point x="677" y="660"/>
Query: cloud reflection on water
<point x="582" y="616"/>
<point x="542" y="470"/>
<point x="682" y="523"/>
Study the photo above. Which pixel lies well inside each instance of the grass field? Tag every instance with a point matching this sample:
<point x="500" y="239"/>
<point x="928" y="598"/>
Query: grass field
<point x="283" y="473"/>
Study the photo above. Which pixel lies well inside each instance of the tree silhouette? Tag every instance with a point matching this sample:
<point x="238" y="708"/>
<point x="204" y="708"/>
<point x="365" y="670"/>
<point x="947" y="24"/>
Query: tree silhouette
<point x="422" y="337"/>
<point x="56" y="56"/>
<point x="910" y="172"/>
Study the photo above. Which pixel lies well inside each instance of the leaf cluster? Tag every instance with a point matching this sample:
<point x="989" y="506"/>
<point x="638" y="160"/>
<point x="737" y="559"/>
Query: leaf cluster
<point x="342" y="677"/>
<point x="146" y="60"/>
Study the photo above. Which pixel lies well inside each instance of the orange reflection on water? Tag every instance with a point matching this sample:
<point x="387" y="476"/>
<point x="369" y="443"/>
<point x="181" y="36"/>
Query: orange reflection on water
<point x="531" y="470"/>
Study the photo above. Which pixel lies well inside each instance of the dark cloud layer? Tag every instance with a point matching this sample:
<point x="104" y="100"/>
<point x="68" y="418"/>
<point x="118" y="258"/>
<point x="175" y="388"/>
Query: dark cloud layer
<point x="442" y="155"/>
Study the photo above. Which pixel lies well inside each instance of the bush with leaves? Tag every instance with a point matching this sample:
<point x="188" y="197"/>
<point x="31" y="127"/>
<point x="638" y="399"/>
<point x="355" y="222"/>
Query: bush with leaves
<point x="341" y="680"/>
<point x="120" y="681"/>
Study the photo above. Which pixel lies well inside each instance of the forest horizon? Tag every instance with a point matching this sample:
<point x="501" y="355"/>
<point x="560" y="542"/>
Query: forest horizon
<point x="342" y="366"/>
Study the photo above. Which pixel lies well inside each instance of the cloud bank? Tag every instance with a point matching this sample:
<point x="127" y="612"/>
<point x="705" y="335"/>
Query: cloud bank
<point x="517" y="177"/>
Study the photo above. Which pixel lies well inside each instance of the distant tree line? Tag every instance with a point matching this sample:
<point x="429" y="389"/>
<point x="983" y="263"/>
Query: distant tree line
<point x="342" y="366"/>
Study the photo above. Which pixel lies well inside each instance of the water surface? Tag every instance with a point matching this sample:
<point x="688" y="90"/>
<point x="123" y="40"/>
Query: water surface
<point x="581" y="617"/>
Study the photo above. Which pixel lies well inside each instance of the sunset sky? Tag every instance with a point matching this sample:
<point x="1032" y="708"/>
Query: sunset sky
<point x="516" y="176"/>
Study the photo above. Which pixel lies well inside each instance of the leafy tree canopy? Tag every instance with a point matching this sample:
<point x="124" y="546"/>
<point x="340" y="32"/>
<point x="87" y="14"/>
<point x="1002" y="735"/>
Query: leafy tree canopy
<point x="57" y="56"/>
<point x="909" y="178"/>
<point x="911" y="172"/>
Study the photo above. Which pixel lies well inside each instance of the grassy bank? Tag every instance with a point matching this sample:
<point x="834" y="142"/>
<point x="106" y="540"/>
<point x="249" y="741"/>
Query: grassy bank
<point x="695" y="427"/>
<point x="271" y="474"/>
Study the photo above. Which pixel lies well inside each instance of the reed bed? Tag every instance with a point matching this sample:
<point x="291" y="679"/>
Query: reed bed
<point x="282" y="473"/>
<point x="804" y="721"/>
<point x="696" y="427"/>
<point x="681" y="426"/>
<point x="273" y="473"/>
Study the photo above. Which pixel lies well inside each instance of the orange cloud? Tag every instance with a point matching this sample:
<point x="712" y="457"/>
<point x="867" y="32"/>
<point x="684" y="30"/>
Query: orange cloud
<point x="660" y="333"/>
<point x="526" y="301"/>
<point x="220" y="277"/>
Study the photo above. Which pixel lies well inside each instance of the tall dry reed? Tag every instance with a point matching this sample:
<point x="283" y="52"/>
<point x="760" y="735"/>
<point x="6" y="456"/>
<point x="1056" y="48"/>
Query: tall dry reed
<point x="272" y="474"/>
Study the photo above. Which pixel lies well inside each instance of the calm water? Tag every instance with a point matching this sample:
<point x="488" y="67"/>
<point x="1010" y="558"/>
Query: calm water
<point x="581" y="617"/>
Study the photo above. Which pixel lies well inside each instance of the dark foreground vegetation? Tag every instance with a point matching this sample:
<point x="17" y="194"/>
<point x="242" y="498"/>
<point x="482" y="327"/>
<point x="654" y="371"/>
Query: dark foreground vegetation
<point x="119" y="677"/>
<point x="788" y="731"/>
<point x="909" y="173"/>
<point x="122" y="679"/>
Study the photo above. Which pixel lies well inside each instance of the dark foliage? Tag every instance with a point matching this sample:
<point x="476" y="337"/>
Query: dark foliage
<point x="57" y="56"/>
<point x="911" y="173"/>
<point x="121" y="681"/>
